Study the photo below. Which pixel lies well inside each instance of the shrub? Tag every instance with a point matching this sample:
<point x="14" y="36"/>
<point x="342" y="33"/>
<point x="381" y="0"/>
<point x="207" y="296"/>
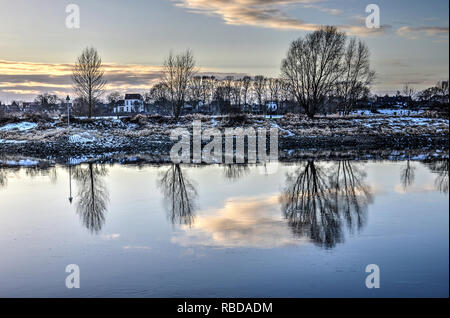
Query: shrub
<point x="235" y="120"/>
<point x="159" y="119"/>
<point x="36" y="117"/>
<point x="139" y="119"/>
<point x="6" y="118"/>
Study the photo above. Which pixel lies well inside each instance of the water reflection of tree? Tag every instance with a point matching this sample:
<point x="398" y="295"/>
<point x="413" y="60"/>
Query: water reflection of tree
<point x="3" y="177"/>
<point x="93" y="197"/>
<point x="319" y="199"/>
<point x="43" y="171"/>
<point x="407" y="175"/>
<point x="235" y="171"/>
<point x="179" y="194"/>
<point x="441" y="168"/>
<point x="46" y="171"/>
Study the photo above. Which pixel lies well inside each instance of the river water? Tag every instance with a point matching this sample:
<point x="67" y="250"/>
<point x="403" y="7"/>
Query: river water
<point x="306" y="229"/>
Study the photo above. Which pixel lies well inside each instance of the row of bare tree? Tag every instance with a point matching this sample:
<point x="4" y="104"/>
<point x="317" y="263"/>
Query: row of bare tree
<point x="321" y="65"/>
<point x="231" y="94"/>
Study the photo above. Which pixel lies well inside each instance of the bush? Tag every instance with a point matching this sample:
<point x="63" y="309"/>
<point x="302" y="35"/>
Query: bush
<point x="196" y="116"/>
<point x="6" y="118"/>
<point x="139" y="119"/>
<point x="159" y="119"/>
<point x="236" y="120"/>
<point x="36" y="117"/>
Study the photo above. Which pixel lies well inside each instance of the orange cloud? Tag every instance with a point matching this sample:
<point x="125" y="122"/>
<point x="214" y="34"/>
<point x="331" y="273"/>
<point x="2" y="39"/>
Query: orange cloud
<point x="267" y="14"/>
<point x="416" y="32"/>
<point x="24" y="80"/>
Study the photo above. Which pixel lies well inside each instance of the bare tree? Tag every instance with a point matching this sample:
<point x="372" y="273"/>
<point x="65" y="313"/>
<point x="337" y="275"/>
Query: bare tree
<point x="356" y="75"/>
<point x="220" y="96"/>
<point x="88" y="78"/>
<point x="207" y="88"/>
<point x="408" y="91"/>
<point x="195" y="90"/>
<point x="246" y="85"/>
<point x="113" y="98"/>
<point x="228" y="87"/>
<point x="274" y="85"/>
<point x="260" y="89"/>
<point x="237" y="93"/>
<point x="46" y="99"/>
<point x="158" y="93"/>
<point x="313" y="66"/>
<point x="178" y="70"/>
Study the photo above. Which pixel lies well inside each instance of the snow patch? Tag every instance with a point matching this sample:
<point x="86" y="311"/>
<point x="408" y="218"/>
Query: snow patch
<point x="23" y="162"/>
<point x="2" y="141"/>
<point x="82" y="138"/>
<point x="19" y="126"/>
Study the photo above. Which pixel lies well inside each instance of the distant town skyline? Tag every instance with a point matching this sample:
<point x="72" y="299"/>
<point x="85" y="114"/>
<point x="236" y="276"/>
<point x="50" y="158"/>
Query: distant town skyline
<point x="227" y="37"/>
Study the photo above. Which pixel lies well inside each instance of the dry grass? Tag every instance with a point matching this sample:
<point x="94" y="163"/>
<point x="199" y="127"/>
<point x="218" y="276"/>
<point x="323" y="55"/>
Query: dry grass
<point x="291" y="124"/>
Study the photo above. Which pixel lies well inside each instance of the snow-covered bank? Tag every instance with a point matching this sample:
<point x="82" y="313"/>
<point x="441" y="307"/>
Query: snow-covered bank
<point x="22" y="126"/>
<point x="354" y="137"/>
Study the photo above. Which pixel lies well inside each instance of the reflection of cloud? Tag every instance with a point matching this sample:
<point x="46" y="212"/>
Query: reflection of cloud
<point x="416" y="32"/>
<point x="267" y="14"/>
<point x="134" y="247"/>
<point x="242" y="222"/>
<point x="113" y="236"/>
<point x="428" y="187"/>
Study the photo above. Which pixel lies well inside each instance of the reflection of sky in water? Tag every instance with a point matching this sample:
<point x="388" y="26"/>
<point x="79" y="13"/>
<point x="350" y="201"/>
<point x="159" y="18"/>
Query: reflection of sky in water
<point x="242" y="222"/>
<point x="236" y="240"/>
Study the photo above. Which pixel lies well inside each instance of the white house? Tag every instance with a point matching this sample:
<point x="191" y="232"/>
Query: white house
<point x="133" y="103"/>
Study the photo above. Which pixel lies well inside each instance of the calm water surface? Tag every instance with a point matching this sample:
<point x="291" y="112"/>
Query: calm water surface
<point x="305" y="230"/>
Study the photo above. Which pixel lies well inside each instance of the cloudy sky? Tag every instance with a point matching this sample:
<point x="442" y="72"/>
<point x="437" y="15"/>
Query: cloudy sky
<point x="226" y="36"/>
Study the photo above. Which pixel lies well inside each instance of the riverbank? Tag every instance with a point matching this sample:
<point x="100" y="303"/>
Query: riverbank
<point x="147" y="139"/>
